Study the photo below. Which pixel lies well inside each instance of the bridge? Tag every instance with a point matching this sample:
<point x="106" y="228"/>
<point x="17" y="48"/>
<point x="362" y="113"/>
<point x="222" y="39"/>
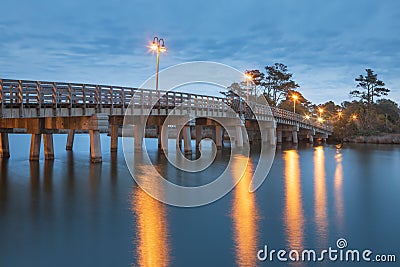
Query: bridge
<point x="42" y="108"/>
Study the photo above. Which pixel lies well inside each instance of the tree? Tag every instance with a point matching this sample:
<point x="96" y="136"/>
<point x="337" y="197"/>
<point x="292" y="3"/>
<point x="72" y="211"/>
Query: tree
<point x="371" y="87"/>
<point x="277" y="83"/>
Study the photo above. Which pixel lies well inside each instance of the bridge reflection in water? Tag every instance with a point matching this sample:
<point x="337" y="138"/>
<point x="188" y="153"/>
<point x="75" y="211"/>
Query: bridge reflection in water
<point x="294" y="218"/>
<point x="244" y="215"/>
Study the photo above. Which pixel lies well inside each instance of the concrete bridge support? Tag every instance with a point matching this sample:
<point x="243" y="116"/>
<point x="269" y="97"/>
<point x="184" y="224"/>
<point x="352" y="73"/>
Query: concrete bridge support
<point x="70" y="140"/>
<point x="4" y="146"/>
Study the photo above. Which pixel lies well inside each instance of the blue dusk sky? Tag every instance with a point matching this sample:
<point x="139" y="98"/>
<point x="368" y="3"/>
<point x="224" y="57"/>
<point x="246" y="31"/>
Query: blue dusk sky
<point x="326" y="44"/>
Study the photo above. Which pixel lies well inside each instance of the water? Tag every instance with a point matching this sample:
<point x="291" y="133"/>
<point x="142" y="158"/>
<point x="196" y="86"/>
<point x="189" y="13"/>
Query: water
<point x="69" y="212"/>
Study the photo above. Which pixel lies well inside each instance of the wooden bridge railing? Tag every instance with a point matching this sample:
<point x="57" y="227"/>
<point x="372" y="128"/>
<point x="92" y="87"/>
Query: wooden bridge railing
<point x="20" y="94"/>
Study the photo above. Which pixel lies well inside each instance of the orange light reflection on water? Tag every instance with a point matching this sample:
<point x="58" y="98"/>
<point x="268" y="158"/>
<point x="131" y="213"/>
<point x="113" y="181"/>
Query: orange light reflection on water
<point x="244" y="215"/>
<point x="294" y="218"/>
<point x="152" y="247"/>
<point x="320" y="194"/>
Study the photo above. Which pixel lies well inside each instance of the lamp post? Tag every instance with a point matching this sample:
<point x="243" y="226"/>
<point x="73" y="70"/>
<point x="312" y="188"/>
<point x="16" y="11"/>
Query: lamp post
<point x="158" y="46"/>
<point x="295" y="97"/>
<point x="249" y="78"/>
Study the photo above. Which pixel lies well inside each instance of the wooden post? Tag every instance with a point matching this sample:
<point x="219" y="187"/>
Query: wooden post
<point x="245" y="136"/>
<point x="48" y="146"/>
<point x="159" y="135"/>
<point x="4" y="146"/>
<point x="164" y="138"/>
<point x="294" y="137"/>
<point x="239" y="136"/>
<point x="272" y="137"/>
<point x="114" y="138"/>
<point x="36" y="140"/>
<point x="199" y="133"/>
<point x="70" y="139"/>
<point x="138" y="133"/>
<point x="218" y="136"/>
<point x="187" y="140"/>
<point x="311" y="138"/>
<point x="95" y="146"/>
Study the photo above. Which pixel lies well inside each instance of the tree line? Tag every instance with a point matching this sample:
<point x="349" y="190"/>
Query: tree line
<point x="368" y="114"/>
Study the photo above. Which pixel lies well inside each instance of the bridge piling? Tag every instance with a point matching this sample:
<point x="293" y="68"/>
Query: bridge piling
<point x="138" y="134"/>
<point x="48" y="146"/>
<point x="199" y="135"/>
<point x="95" y="146"/>
<point x="187" y="140"/>
<point x="4" y="146"/>
<point x="295" y="140"/>
<point x="114" y="138"/>
<point x="36" y="140"/>
<point x="279" y="136"/>
<point x="70" y="140"/>
<point x="239" y="136"/>
<point x="218" y="136"/>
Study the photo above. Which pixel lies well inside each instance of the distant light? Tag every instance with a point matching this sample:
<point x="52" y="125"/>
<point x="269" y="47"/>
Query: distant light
<point x="154" y="46"/>
<point x="354" y="117"/>
<point x="321" y="110"/>
<point x="248" y="76"/>
<point x="307" y="117"/>
<point x="320" y="119"/>
<point x="340" y="114"/>
<point x="163" y="48"/>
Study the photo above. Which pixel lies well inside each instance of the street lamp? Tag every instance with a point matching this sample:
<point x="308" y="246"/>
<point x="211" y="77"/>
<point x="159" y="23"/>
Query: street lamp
<point x="320" y="110"/>
<point x="158" y="46"/>
<point x="295" y="97"/>
<point x="249" y="78"/>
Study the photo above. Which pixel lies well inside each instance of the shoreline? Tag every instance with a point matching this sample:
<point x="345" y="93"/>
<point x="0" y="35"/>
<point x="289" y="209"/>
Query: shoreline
<point x="374" y="139"/>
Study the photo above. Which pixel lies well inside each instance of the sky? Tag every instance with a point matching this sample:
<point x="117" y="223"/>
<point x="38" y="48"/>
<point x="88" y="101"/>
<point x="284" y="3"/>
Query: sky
<point x="325" y="44"/>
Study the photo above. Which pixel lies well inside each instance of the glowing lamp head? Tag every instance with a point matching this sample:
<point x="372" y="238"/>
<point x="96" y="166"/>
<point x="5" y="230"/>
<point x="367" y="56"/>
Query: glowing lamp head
<point x="295" y="97"/>
<point x="307" y="117"/>
<point x="340" y="114"/>
<point x="163" y="48"/>
<point x="320" y="119"/>
<point x="248" y="76"/>
<point x="354" y="117"/>
<point x="320" y="110"/>
<point x="154" y="46"/>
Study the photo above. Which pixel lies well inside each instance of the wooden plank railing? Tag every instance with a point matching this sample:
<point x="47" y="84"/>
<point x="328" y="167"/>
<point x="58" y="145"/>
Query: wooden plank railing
<point x="20" y="94"/>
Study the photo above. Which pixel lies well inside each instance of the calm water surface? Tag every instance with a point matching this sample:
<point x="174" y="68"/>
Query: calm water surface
<point x="69" y="212"/>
